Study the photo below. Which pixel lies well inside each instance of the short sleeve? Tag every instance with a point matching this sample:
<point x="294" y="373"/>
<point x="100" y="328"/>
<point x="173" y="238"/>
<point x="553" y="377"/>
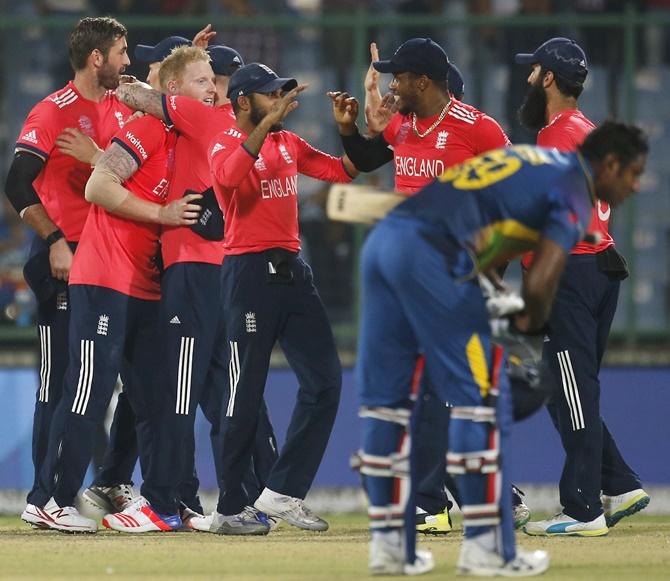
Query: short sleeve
<point x="142" y="138"/>
<point x="487" y="135"/>
<point x="43" y="125"/>
<point x="188" y="116"/>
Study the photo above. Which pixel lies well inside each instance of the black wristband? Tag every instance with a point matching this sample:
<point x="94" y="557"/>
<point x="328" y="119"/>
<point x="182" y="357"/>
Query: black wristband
<point x="54" y="237"/>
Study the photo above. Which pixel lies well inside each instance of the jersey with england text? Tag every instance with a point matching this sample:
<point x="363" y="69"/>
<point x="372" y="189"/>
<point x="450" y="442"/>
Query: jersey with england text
<point x="497" y="206"/>
<point x="259" y="195"/>
<point x="463" y="133"/>
<point x="118" y="253"/>
<point x="196" y="125"/>
<point x="60" y="185"/>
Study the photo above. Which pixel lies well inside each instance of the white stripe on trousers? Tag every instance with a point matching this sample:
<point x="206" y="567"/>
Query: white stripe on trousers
<point x="184" y="375"/>
<point x="571" y="390"/>
<point x="45" y="363"/>
<point x="85" y="377"/>
<point x="233" y="377"/>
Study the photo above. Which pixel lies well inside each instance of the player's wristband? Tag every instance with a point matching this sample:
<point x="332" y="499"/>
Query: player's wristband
<point x="54" y="237"/>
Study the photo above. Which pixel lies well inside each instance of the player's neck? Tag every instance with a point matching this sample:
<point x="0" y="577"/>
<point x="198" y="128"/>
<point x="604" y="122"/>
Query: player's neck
<point x="432" y="108"/>
<point x="555" y="106"/>
<point x="88" y="86"/>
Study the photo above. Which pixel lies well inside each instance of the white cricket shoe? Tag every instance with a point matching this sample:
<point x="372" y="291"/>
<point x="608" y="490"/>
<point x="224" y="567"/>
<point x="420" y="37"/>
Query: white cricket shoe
<point x="67" y="519"/>
<point x="623" y="505"/>
<point x="477" y="561"/>
<point x="290" y="509"/>
<point x="110" y="499"/>
<point x="36" y="517"/>
<point x="388" y="557"/>
<point x="563" y="525"/>
<point x="248" y="522"/>
<point x="140" y="517"/>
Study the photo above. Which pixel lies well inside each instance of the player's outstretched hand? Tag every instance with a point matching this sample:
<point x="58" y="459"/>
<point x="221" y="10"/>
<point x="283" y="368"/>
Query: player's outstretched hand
<point x="377" y="119"/>
<point x="202" y="37"/>
<point x="181" y="212"/>
<point x="373" y="96"/>
<point x="76" y="144"/>
<point x="345" y="111"/>
<point x="60" y="259"/>
<point x="283" y="106"/>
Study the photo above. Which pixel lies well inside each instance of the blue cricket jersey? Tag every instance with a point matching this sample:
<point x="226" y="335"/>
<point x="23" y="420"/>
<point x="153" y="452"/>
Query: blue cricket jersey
<point x="496" y="206"/>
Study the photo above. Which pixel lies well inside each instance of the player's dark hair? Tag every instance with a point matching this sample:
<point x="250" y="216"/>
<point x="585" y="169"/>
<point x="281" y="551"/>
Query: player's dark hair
<point x="566" y="87"/>
<point x="625" y="141"/>
<point x="91" y="33"/>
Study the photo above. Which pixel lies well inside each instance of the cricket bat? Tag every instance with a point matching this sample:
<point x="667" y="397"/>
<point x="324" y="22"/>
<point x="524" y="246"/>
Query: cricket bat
<point x="360" y="204"/>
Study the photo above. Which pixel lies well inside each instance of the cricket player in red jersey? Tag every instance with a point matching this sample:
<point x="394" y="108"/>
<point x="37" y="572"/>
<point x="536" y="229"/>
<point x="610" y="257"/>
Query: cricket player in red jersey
<point x="581" y="318"/>
<point x="430" y="132"/>
<point x="269" y="296"/>
<point x="190" y="319"/>
<point x="46" y="186"/>
<point x="115" y="292"/>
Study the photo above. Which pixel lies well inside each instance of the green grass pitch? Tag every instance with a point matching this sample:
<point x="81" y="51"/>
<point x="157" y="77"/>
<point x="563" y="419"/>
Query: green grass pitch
<point x="638" y="548"/>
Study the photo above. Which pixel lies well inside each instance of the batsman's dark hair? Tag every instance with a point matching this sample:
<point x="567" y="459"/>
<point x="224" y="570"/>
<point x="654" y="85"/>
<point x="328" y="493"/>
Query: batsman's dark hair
<point x="91" y="33"/>
<point x="625" y="141"/>
<point x="567" y="88"/>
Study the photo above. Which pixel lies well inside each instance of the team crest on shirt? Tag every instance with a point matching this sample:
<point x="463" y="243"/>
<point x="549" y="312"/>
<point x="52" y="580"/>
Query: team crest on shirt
<point x="403" y="132"/>
<point x="285" y="154"/>
<point x="441" y="140"/>
<point x="86" y="126"/>
<point x="260" y="163"/>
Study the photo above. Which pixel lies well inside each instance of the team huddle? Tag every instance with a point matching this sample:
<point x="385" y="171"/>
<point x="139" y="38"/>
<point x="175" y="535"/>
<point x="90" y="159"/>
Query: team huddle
<point x="167" y="253"/>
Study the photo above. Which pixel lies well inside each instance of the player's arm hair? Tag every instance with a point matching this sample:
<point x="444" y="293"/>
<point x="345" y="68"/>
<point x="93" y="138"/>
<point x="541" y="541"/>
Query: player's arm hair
<point x="540" y="284"/>
<point x="366" y="154"/>
<point x="139" y="97"/>
<point x="19" y="189"/>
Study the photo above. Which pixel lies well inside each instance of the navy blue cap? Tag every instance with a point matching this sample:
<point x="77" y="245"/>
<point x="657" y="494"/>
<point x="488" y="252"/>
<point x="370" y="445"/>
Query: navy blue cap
<point x="225" y="60"/>
<point x="562" y="56"/>
<point x="421" y="56"/>
<point x="153" y="54"/>
<point x="455" y="81"/>
<point x="257" y="78"/>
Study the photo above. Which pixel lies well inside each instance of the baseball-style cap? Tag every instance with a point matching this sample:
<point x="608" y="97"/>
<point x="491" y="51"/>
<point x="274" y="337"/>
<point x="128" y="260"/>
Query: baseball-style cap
<point x="421" y="56"/>
<point x="225" y="60"/>
<point x="455" y="81"/>
<point x="561" y="55"/>
<point x="257" y="78"/>
<point x="152" y="54"/>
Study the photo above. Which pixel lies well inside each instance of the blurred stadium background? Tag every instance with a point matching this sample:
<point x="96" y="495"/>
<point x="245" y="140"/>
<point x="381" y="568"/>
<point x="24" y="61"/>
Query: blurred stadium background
<point x="325" y="43"/>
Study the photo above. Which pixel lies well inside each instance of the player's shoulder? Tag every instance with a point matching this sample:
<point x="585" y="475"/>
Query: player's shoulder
<point x="460" y="113"/>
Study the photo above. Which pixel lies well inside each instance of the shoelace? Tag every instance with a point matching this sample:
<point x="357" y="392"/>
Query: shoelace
<point x="302" y="507"/>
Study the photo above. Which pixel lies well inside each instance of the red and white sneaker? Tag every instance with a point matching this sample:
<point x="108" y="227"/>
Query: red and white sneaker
<point x="61" y="518"/>
<point x="36" y="517"/>
<point x="141" y="518"/>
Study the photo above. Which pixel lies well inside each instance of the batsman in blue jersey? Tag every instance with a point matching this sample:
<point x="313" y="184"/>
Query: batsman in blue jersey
<point x="421" y="271"/>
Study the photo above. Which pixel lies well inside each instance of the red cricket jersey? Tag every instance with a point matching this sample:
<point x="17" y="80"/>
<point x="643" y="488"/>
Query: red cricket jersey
<point x="565" y="131"/>
<point x="60" y="185"/>
<point x="259" y="196"/>
<point x="197" y="124"/>
<point x="118" y="253"/>
<point x="463" y="133"/>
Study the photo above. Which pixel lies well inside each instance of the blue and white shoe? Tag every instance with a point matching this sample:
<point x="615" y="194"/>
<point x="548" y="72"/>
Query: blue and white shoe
<point x="563" y="525"/>
<point x="627" y="504"/>
<point x="247" y="522"/>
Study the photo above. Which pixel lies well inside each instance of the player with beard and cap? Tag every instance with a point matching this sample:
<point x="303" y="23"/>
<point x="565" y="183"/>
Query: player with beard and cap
<point x="190" y="325"/>
<point x="45" y="184"/>
<point x="269" y="296"/>
<point x="581" y="318"/>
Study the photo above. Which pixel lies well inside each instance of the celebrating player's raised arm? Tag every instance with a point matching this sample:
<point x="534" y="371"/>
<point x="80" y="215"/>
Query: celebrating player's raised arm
<point x="140" y="97"/>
